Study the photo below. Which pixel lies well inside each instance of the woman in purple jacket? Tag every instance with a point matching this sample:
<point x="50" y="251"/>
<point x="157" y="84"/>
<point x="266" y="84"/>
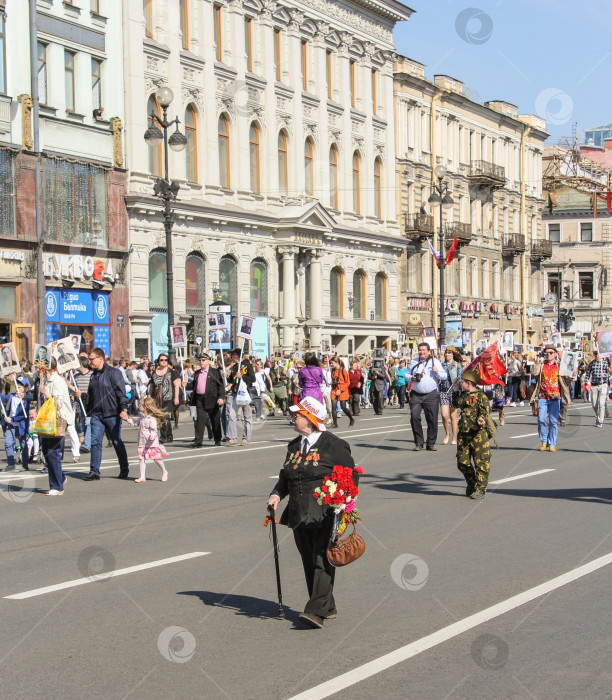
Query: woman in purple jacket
<point x="311" y="377"/>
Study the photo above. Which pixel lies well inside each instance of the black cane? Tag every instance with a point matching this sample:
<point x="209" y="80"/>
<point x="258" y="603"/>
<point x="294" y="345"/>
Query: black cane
<point x="281" y="611"/>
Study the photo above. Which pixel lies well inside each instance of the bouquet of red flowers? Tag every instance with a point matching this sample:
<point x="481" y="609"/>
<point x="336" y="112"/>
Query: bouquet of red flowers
<point x="339" y="491"/>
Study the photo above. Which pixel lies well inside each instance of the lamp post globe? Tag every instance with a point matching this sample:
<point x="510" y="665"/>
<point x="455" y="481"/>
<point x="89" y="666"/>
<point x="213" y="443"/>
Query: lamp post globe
<point x="164" y="96"/>
<point x="177" y="141"/>
<point x="440" y="172"/>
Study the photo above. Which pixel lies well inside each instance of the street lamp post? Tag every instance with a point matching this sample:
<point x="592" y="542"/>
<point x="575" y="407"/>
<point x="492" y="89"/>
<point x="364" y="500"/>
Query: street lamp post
<point x="441" y="196"/>
<point x="166" y="190"/>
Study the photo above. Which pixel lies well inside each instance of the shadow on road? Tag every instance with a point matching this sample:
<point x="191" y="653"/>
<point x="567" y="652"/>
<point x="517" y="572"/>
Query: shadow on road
<point x="243" y="604"/>
<point x="581" y="495"/>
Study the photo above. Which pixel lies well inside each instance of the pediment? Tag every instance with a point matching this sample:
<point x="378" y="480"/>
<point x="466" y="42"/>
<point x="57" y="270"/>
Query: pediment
<point x="313" y="215"/>
<point x="281" y="15"/>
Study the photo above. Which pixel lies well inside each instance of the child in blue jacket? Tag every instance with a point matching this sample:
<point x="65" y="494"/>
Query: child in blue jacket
<point x="15" y="423"/>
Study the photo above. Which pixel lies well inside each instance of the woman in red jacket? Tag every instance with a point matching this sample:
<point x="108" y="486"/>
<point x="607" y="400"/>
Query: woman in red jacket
<point x="340" y="390"/>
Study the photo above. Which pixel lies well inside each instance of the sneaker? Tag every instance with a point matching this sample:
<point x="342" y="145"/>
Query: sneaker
<point x="478" y="495"/>
<point x="44" y="470"/>
<point x="332" y="614"/>
<point x="522" y="403"/>
<point x="469" y="489"/>
<point x="54" y="492"/>
<point x="513" y="404"/>
<point x="598" y="424"/>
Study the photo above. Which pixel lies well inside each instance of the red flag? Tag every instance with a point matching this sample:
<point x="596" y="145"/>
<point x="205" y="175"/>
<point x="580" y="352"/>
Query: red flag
<point x="488" y="366"/>
<point x="609" y="200"/>
<point x="451" y="251"/>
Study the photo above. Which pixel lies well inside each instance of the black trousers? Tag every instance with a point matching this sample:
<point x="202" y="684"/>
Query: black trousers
<point x="355" y="401"/>
<point x="165" y="432"/>
<point x="320" y="574"/>
<point x="377" y="400"/>
<point x="430" y="404"/>
<point x="202" y="415"/>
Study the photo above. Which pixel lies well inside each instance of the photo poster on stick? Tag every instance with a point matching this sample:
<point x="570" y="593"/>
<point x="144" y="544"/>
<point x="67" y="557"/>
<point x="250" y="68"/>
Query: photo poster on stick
<point x="277" y="352"/>
<point x="219" y="333"/>
<point x="429" y="337"/>
<point x="556" y="340"/>
<point x="179" y="336"/>
<point x="245" y="327"/>
<point x="569" y="364"/>
<point x="8" y="359"/>
<point x="218" y="322"/>
<point x="183" y="374"/>
<point x="604" y="343"/>
<point x="42" y="355"/>
<point x="507" y="342"/>
<point x="65" y="355"/>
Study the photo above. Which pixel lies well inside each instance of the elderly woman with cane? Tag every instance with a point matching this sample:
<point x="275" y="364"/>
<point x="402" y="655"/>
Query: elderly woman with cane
<point x="310" y="458"/>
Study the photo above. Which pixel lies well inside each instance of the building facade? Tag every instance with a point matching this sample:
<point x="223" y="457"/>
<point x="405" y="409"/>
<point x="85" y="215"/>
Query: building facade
<point x="493" y="159"/>
<point x="83" y="221"/>
<point x="286" y="208"/>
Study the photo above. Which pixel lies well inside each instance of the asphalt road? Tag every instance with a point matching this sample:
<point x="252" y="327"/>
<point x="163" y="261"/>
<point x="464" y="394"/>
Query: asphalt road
<point x="508" y="597"/>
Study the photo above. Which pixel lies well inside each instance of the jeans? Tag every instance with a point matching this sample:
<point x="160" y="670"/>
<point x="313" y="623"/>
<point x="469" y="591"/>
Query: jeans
<point x="401" y="394"/>
<point x="52" y="450"/>
<point x="257" y="405"/>
<point x="98" y="427"/>
<point x="10" y="440"/>
<point x="83" y="427"/>
<point x="548" y="421"/>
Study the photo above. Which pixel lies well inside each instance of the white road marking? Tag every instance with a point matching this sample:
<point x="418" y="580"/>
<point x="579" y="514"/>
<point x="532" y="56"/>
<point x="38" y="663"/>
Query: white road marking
<point x="382" y="663"/>
<point x="105" y="576"/>
<point x="521" y="476"/>
<point x="516" y="437"/>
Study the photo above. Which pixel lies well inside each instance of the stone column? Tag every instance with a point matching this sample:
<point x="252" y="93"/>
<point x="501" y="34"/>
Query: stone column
<point x="288" y="321"/>
<point x="316" y="300"/>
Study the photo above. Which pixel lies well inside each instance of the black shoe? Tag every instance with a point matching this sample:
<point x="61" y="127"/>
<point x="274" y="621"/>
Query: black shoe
<point x="311" y="620"/>
<point x="109" y="444"/>
<point x="218" y="444"/>
<point x="210" y="436"/>
<point x="85" y="450"/>
<point x="123" y="475"/>
<point x="333" y="613"/>
<point x="416" y="448"/>
<point x="334" y="425"/>
<point x="195" y="445"/>
<point x="225" y="439"/>
<point x="176" y="426"/>
<point x="431" y="448"/>
<point x="92" y="476"/>
<point x="170" y="439"/>
<point x="352" y="423"/>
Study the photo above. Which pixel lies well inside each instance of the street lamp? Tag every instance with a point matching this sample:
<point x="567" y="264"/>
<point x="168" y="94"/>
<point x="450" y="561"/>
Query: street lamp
<point x="441" y="196"/>
<point x="165" y="189"/>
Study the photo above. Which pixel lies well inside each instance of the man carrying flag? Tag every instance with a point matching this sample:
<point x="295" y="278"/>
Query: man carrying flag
<point x="489" y="368"/>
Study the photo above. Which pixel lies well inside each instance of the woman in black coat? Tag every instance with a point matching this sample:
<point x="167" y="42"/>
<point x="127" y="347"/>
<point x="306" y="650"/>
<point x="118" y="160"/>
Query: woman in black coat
<point x="310" y="458"/>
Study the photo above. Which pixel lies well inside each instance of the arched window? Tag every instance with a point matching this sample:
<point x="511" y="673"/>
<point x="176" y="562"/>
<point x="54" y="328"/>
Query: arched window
<point x="223" y="137"/>
<point x="356" y="185"/>
<point x="380" y="297"/>
<point x="282" y="163"/>
<point x="158" y="289"/>
<point x="155" y="152"/>
<point x="358" y="294"/>
<point x="228" y="281"/>
<point x="335" y="293"/>
<point x="195" y="285"/>
<point x="259" y="288"/>
<point x="377" y="189"/>
<point x="308" y="167"/>
<point x="191" y="133"/>
<point x="333" y="177"/>
<point x="254" y="157"/>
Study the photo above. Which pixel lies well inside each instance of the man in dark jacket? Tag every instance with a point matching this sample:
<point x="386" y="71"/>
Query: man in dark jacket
<point x="208" y="396"/>
<point x="107" y="408"/>
<point x="239" y="371"/>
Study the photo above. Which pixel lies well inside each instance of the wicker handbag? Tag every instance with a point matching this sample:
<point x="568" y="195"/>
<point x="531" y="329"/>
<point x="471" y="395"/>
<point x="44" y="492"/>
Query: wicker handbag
<point x="343" y="552"/>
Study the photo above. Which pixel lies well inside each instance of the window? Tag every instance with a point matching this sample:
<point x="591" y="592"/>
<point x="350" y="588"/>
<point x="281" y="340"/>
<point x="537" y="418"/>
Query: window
<point x="248" y="42"/>
<point x="74" y="199"/>
<point x="333" y="177"/>
<point x="158" y="288"/>
<point x="335" y="293"/>
<point x="191" y="152"/>
<point x="308" y="167"/>
<point x="586" y="232"/>
<point x="254" y="157"/>
<point x="358" y="294"/>
<point x="304" y="57"/>
<point x="42" y="72"/>
<point x="224" y="151"/>
<point x="69" y="80"/>
<point x="328" y="63"/>
<point x="7" y="195"/>
<point x="184" y="13"/>
<point x="147" y="8"/>
<point x="554" y="233"/>
<point x="585" y="282"/>
<point x="377" y="189"/>
<point x="95" y="6"/>
<point x="155" y="152"/>
<point x="352" y="81"/>
<point x="195" y="287"/>
<point x="374" y="87"/>
<point x="2" y="55"/>
<point x="356" y="192"/>
<point x="8" y="304"/>
<point x="553" y="283"/>
<point x="380" y="297"/>
<point x="217" y="31"/>
<point x="277" y="53"/>
<point x="228" y="281"/>
<point x="259" y="288"/>
<point x="96" y="83"/>
<point x="282" y="163"/>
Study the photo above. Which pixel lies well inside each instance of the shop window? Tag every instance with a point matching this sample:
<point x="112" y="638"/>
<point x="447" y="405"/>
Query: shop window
<point x="259" y="288"/>
<point x="585" y="282"/>
<point x="158" y="290"/>
<point x="75" y="206"/>
<point x="380" y="297"/>
<point x="228" y="281"/>
<point x="195" y="285"/>
<point x="358" y="294"/>
<point x="7" y="190"/>
<point x="586" y="232"/>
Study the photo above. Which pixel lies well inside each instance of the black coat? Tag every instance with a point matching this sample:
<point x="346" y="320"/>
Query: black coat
<point x="109" y="385"/>
<point x="214" y="388"/>
<point x="247" y="373"/>
<point x="299" y="478"/>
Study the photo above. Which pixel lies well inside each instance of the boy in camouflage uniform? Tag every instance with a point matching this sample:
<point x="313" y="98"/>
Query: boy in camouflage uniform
<point x="472" y="436"/>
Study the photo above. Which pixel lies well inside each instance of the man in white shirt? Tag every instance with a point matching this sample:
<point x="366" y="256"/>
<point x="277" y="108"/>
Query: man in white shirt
<point x="425" y="373"/>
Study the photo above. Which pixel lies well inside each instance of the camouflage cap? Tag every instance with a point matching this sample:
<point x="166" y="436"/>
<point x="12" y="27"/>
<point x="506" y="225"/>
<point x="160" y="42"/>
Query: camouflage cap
<point x="470" y="376"/>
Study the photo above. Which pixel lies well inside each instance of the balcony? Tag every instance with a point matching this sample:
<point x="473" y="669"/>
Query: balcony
<point x="418" y="226"/>
<point x="513" y="244"/>
<point x="487" y="174"/>
<point x="462" y="231"/>
<point x="541" y="249"/>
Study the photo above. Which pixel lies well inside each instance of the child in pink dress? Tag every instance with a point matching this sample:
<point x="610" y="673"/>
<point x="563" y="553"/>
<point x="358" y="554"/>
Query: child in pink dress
<point x="149" y="448"/>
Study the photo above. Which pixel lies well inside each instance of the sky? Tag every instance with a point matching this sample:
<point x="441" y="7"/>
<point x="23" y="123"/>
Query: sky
<point x="552" y="58"/>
